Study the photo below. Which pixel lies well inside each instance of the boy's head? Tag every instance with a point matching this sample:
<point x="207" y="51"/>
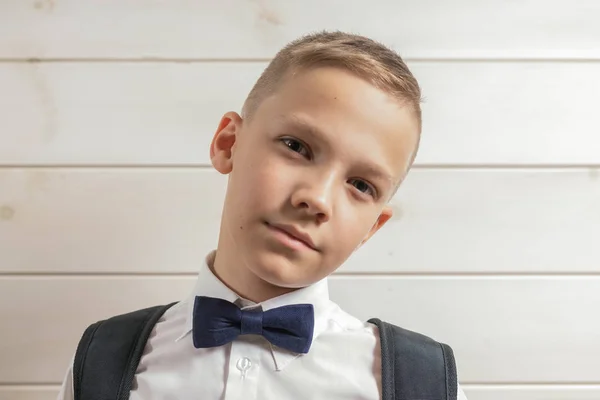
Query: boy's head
<point x="326" y="135"/>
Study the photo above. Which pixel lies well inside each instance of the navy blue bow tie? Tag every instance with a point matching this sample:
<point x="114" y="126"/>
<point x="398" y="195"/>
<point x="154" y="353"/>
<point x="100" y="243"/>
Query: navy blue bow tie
<point x="218" y="322"/>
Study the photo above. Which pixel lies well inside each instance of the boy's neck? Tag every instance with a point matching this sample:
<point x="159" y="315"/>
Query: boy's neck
<point x="240" y="279"/>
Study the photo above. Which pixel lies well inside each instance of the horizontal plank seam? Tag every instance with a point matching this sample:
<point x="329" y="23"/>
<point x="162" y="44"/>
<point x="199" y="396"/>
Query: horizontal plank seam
<point x="192" y="166"/>
<point x="422" y="59"/>
<point x="471" y="385"/>
<point x="342" y="275"/>
<point x="584" y="384"/>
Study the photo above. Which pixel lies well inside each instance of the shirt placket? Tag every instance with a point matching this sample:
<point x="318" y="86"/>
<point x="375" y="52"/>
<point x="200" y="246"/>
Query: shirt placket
<point x="244" y="370"/>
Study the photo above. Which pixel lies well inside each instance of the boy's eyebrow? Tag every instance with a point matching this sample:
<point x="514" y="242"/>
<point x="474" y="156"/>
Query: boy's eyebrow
<point x="300" y="124"/>
<point x="378" y="173"/>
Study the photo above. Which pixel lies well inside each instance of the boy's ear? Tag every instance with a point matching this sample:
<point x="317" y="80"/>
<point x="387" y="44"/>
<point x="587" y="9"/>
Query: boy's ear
<point x="223" y="143"/>
<point x="385" y="216"/>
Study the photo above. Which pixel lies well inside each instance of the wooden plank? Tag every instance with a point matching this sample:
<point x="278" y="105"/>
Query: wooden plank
<point x="165" y="220"/>
<point x="108" y="220"/>
<point x="510" y="113"/>
<point x="503" y="329"/>
<point x="495" y="392"/>
<point x="116" y="113"/>
<point x="166" y="113"/>
<point x="37" y="392"/>
<point x="61" y="308"/>
<point x="532" y="392"/>
<point x="257" y="29"/>
<point x="482" y="221"/>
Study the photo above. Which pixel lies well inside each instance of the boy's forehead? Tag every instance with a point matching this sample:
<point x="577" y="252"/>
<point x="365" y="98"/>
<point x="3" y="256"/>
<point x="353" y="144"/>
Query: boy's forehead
<point x="315" y="88"/>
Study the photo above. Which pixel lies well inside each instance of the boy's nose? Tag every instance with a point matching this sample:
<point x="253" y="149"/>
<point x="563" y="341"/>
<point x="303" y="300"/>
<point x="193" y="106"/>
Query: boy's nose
<point x="315" y="199"/>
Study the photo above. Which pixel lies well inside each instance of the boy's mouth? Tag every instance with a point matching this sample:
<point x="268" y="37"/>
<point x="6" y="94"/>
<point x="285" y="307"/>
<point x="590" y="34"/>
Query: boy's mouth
<point x="293" y="234"/>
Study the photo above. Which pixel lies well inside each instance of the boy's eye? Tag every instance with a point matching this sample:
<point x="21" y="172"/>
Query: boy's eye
<point x="296" y="146"/>
<point x="362" y="186"/>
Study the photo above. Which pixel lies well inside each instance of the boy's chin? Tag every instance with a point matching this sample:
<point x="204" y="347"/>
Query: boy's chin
<point x="279" y="271"/>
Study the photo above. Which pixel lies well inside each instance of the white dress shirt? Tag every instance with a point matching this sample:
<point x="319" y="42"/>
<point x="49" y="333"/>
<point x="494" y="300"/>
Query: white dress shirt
<point x="344" y="361"/>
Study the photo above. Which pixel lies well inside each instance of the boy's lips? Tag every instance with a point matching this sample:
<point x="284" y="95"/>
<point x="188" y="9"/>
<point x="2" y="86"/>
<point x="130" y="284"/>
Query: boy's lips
<point x="294" y="233"/>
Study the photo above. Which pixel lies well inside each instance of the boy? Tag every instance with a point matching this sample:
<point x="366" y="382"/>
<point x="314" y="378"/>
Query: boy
<point x="325" y="138"/>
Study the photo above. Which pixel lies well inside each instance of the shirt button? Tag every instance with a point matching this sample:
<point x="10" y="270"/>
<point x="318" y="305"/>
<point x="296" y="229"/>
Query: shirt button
<point x="244" y="364"/>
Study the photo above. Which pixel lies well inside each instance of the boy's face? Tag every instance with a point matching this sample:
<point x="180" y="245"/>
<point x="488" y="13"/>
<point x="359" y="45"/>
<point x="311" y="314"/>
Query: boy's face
<point x="319" y="159"/>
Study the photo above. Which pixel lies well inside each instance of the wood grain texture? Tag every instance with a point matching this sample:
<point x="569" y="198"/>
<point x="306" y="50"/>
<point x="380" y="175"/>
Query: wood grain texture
<point x="502" y="264"/>
<point x="25" y="392"/>
<point x="166" y="113"/>
<point x="474" y="392"/>
<point x="532" y="392"/>
<point x="165" y="220"/>
<point x="108" y="220"/>
<point x="503" y="330"/>
<point x="257" y="29"/>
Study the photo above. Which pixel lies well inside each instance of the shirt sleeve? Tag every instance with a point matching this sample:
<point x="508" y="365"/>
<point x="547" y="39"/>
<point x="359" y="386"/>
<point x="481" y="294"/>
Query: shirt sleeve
<point x="66" y="390"/>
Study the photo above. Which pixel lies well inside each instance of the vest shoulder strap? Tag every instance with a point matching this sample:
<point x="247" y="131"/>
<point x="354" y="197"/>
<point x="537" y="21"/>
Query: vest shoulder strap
<point x="109" y="352"/>
<point x="414" y="366"/>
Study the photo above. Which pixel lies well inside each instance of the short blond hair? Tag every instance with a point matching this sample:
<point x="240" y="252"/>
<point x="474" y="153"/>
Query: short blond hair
<point x="364" y="57"/>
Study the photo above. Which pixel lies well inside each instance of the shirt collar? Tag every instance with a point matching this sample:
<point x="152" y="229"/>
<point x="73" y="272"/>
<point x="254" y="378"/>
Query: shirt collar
<point x="316" y="294"/>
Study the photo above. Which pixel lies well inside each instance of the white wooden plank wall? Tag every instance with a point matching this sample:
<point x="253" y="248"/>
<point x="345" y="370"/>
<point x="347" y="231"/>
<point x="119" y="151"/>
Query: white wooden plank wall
<point x="107" y="203"/>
